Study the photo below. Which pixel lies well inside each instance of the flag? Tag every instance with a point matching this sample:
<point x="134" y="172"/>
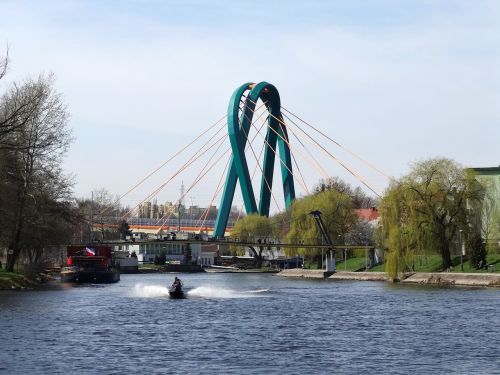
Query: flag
<point x="89" y="251"/>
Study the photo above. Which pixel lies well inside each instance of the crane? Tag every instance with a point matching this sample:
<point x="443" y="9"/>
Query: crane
<point x="330" y="255"/>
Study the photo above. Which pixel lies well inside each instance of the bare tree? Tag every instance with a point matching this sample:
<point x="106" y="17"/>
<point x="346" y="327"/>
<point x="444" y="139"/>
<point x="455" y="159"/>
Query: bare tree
<point x="4" y="62"/>
<point x="35" y="135"/>
<point x="18" y="107"/>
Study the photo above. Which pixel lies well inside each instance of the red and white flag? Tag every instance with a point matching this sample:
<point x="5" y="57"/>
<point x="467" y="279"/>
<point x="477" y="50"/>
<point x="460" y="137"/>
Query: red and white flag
<point x="89" y="251"/>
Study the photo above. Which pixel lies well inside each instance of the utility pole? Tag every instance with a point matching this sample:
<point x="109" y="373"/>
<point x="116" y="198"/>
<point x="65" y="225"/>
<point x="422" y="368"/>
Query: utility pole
<point x="91" y="217"/>
<point x="179" y="207"/>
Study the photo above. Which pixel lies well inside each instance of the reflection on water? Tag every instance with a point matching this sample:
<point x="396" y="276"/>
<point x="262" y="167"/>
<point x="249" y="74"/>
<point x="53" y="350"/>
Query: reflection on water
<point x="249" y="323"/>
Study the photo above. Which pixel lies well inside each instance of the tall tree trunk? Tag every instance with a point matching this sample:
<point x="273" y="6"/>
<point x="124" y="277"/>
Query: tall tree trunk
<point x="445" y="255"/>
<point x="444" y="248"/>
<point x="16" y="237"/>
<point x="257" y="256"/>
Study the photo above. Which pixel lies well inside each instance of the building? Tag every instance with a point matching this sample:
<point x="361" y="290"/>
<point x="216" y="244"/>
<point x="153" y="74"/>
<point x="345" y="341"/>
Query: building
<point x="173" y="250"/>
<point x="370" y="215"/>
<point x="489" y="212"/>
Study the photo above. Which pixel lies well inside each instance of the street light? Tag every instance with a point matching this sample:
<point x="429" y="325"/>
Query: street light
<point x="462" y="252"/>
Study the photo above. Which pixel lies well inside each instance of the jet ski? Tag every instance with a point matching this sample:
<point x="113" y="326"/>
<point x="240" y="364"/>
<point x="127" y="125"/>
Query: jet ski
<point x="175" y="291"/>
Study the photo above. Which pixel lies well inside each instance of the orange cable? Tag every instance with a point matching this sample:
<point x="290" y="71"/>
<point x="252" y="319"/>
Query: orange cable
<point x="163" y="164"/>
<point x="193" y="158"/>
<point x="340" y="162"/>
<point x="341" y="146"/>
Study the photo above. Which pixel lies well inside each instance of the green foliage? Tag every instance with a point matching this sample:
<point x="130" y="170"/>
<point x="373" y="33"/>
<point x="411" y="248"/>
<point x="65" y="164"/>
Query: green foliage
<point x="253" y="227"/>
<point x="423" y="212"/>
<point x="160" y="259"/>
<point x="477" y="250"/>
<point x="337" y="214"/>
<point x="358" y="197"/>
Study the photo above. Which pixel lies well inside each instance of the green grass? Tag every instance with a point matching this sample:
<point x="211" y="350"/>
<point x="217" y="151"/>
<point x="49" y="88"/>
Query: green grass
<point x="353" y="264"/>
<point x="7" y="275"/>
<point x="432" y="263"/>
<point x="378" y="268"/>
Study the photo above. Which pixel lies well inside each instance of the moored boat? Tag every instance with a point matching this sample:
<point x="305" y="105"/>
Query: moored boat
<point x="90" y="264"/>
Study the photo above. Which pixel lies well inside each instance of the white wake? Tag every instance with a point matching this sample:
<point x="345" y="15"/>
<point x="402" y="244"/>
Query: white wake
<point x="216" y="292"/>
<point x="149" y="291"/>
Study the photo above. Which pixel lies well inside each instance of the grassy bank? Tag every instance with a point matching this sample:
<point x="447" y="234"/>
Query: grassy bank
<point x="20" y="281"/>
<point x="428" y="263"/>
<point x="432" y="263"/>
<point x="14" y="281"/>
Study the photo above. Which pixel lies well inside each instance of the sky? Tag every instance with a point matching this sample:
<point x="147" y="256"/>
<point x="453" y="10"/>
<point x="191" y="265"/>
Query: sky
<point x="392" y="81"/>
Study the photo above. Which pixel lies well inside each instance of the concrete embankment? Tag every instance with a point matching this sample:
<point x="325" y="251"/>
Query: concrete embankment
<point x="363" y="276"/>
<point x="320" y="274"/>
<point x="302" y="273"/>
<point x="445" y="278"/>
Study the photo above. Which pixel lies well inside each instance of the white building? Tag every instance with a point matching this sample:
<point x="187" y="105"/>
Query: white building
<point x="174" y="251"/>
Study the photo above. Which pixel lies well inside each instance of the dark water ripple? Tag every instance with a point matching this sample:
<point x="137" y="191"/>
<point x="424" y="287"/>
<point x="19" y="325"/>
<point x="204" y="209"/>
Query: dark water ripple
<point x="250" y="324"/>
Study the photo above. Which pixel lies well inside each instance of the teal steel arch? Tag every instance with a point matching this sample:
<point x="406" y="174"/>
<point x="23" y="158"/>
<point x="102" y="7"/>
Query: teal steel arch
<point x="238" y="128"/>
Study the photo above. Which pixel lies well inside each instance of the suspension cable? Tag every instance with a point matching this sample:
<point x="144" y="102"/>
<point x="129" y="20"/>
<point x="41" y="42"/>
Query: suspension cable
<point x="340" y="162"/>
<point x="341" y="146"/>
<point x="162" y="165"/>
<point x="200" y="175"/>
<point x="315" y="164"/>
<point x="191" y="160"/>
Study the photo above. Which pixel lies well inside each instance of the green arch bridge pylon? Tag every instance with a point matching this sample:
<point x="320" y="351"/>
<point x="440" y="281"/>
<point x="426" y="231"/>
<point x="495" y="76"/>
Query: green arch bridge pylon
<point x="238" y="129"/>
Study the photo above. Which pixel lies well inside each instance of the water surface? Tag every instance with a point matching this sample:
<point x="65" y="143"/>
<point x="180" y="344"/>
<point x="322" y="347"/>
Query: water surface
<point x="249" y="324"/>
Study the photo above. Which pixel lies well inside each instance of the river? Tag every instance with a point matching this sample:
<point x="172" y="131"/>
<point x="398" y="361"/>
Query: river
<point x="249" y="324"/>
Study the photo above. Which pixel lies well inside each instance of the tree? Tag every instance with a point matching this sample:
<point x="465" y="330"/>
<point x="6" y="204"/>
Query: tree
<point x="337" y="213"/>
<point x="101" y="210"/>
<point x="34" y="136"/>
<point x="254" y="228"/>
<point x="4" y="62"/>
<point x="357" y="195"/>
<point x="124" y="229"/>
<point x="425" y="210"/>
<point x="477" y="250"/>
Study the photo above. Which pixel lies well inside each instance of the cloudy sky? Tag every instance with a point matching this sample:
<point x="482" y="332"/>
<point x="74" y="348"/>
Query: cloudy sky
<point x="392" y="81"/>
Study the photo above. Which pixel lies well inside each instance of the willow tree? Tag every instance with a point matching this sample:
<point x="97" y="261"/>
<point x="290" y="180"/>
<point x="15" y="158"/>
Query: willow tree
<point x="254" y="229"/>
<point x="424" y="212"/>
<point x="337" y="214"/>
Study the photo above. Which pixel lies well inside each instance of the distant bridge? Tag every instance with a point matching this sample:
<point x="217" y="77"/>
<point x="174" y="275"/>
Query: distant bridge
<point x="253" y="107"/>
<point x="229" y="242"/>
<point x="148" y="225"/>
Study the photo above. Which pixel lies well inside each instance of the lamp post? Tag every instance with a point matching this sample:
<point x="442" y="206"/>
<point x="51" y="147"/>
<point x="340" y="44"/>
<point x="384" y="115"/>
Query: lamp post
<point x="345" y="253"/>
<point x="366" y="257"/>
<point x="462" y="251"/>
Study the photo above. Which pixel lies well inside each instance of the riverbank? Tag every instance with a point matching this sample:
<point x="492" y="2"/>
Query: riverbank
<point x="15" y="281"/>
<point x="450" y="279"/>
<point x="429" y="278"/>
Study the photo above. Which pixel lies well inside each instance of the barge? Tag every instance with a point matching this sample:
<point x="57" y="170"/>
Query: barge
<point x="90" y="264"/>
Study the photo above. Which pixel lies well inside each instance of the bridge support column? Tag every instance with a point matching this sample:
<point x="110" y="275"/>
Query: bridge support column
<point x="330" y="261"/>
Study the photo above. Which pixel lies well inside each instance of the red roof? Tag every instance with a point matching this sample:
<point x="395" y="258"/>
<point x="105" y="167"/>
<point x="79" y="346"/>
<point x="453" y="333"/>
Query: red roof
<point x="368" y="214"/>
